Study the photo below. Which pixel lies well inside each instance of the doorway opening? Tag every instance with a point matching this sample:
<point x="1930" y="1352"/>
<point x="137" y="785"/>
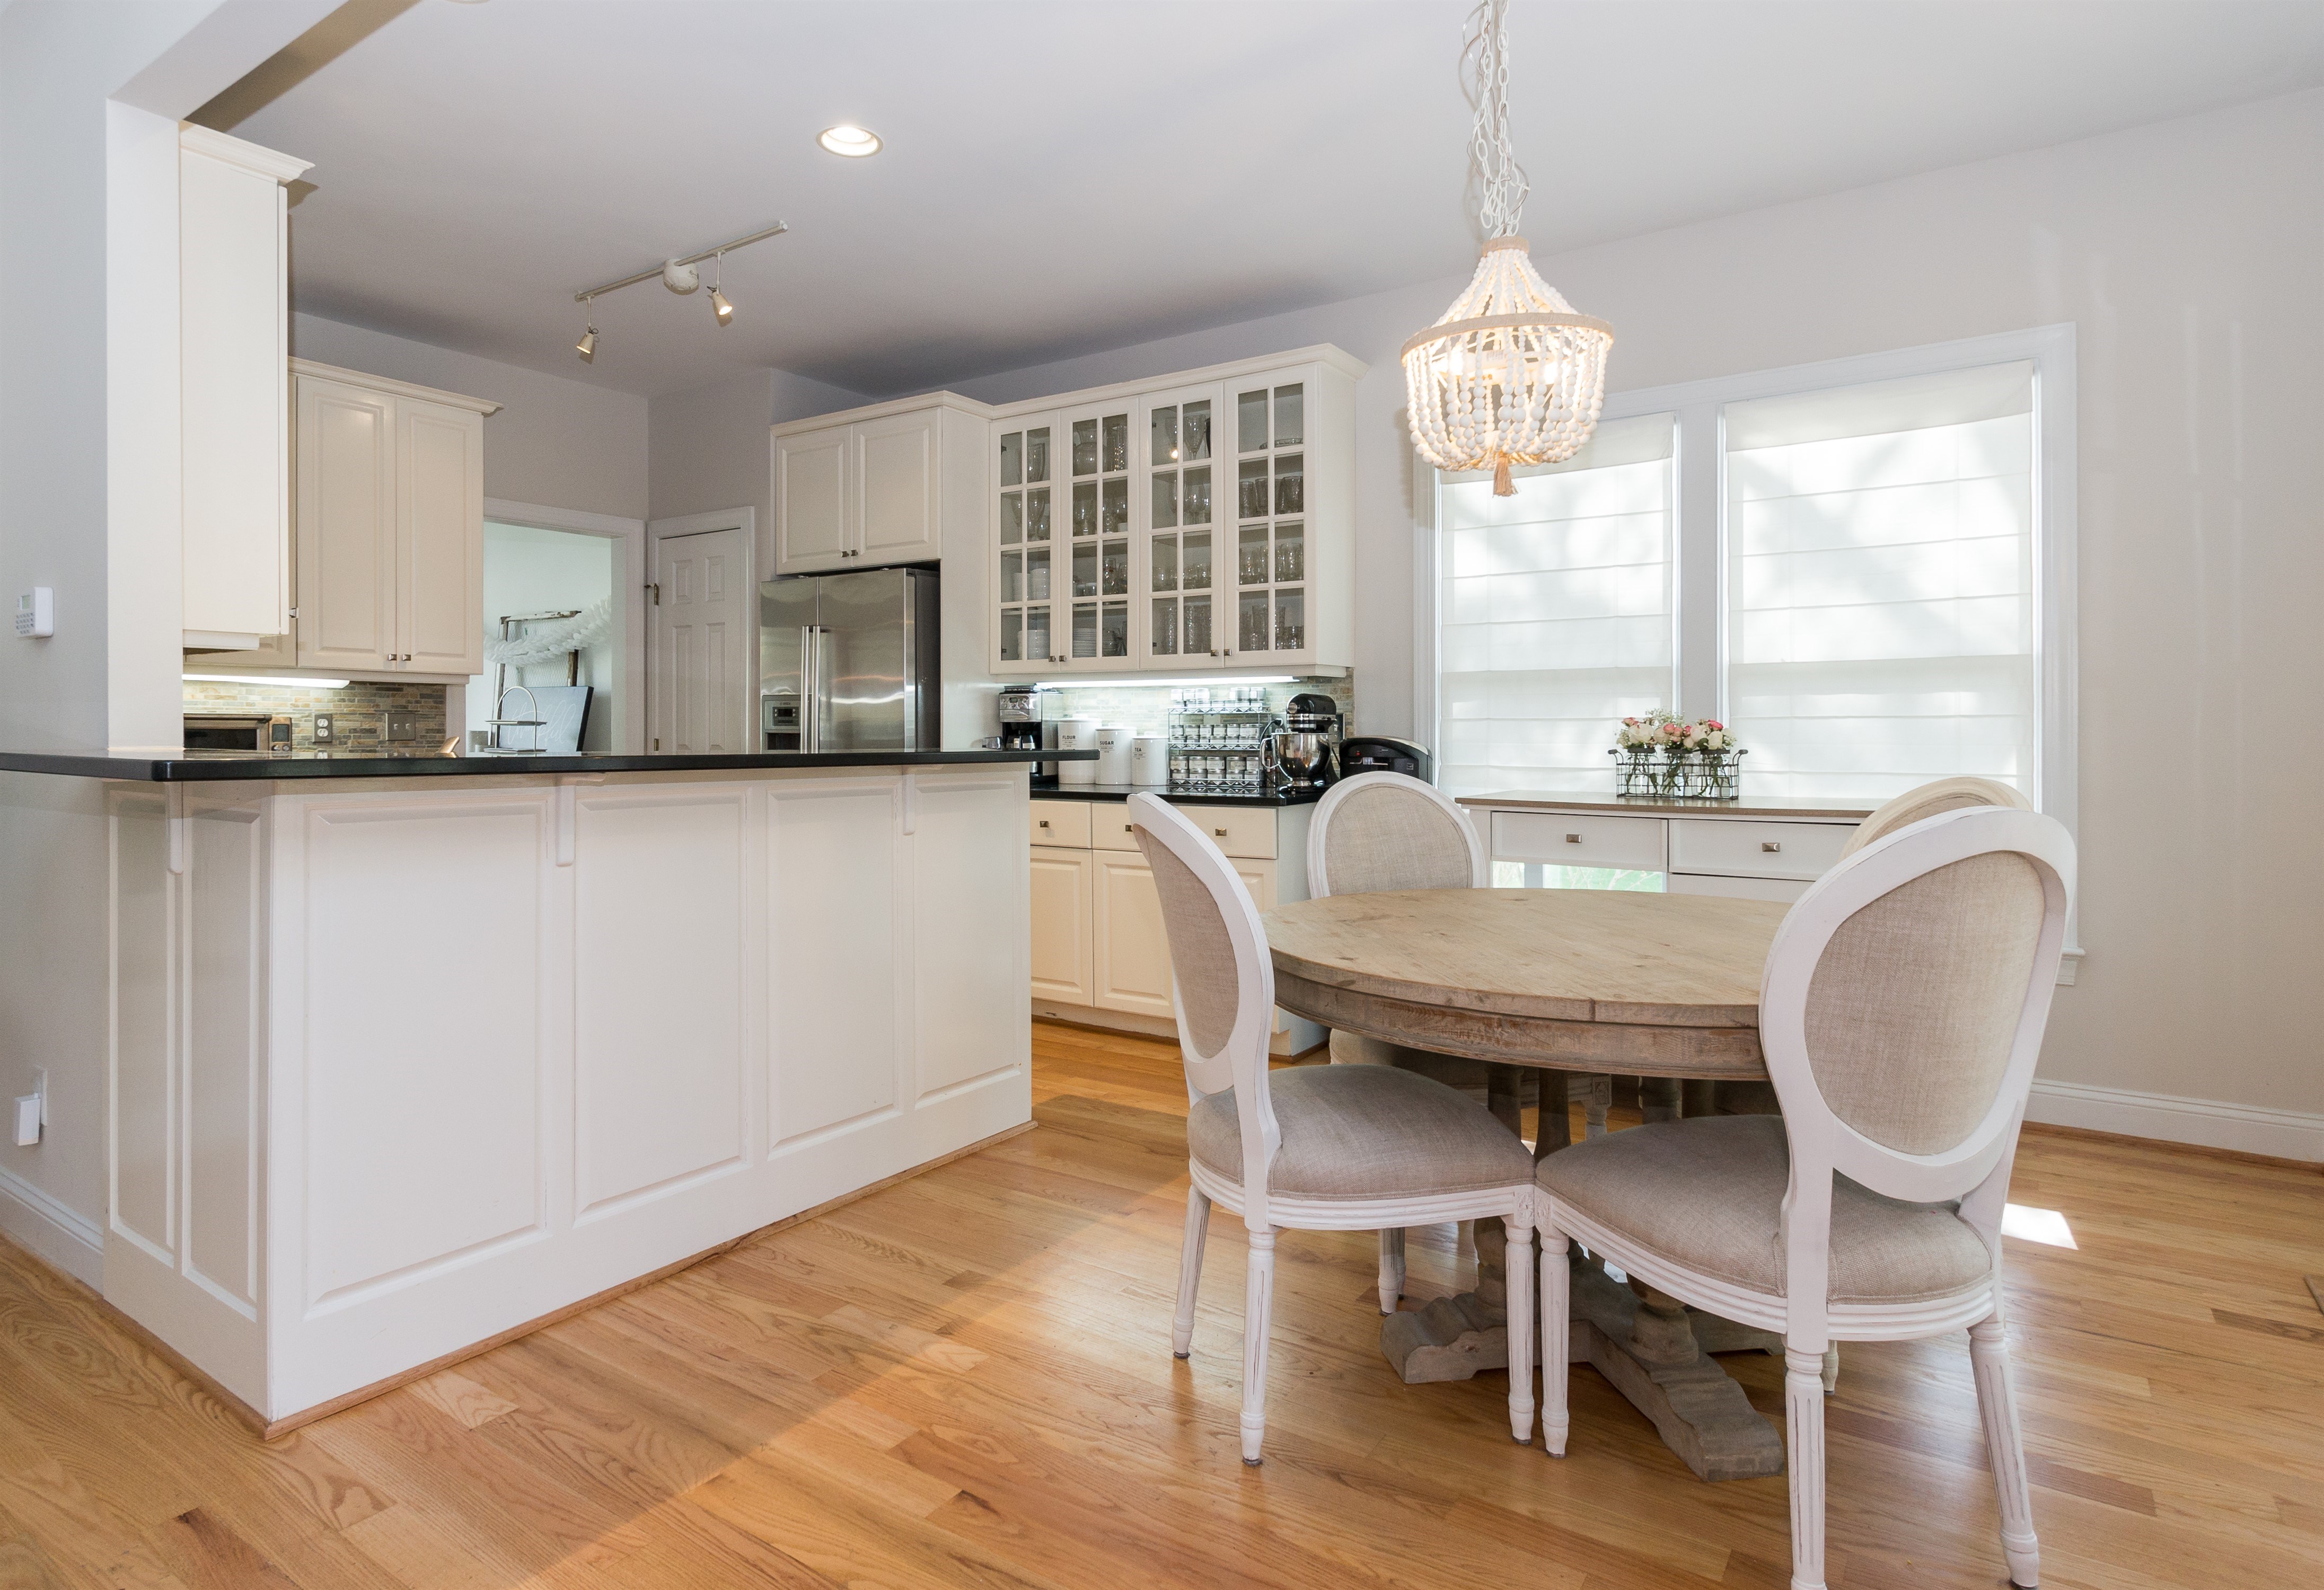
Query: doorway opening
<point x="553" y="627"/>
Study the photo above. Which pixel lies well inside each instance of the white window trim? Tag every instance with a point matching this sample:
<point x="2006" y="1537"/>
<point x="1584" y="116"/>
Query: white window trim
<point x="1700" y="542"/>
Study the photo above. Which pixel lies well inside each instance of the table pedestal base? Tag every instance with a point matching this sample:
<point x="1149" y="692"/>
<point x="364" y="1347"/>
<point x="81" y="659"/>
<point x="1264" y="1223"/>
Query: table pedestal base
<point x="1652" y="1349"/>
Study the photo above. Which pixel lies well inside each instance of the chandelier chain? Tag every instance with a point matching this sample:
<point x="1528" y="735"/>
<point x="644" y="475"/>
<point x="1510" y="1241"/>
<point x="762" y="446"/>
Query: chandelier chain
<point x="1501" y="181"/>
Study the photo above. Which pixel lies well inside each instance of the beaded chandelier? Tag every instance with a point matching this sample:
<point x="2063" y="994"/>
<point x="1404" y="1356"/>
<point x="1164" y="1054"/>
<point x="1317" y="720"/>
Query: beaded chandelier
<point x="1509" y="374"/>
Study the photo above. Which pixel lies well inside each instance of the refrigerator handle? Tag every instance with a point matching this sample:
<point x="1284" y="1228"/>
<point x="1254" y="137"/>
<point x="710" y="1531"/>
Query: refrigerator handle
<point x="815" y="685"/>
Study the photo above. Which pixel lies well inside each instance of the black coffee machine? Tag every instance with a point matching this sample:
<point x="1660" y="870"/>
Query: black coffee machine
<point x="1024" y="709"/>
<point x="1379" y="753"/>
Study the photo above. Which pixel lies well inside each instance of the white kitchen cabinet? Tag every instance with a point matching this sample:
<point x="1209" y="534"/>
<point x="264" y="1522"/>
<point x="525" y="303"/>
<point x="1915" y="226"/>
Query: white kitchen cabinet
<point x="1201" y="523"/>
<point x="1101" y="955"/>
<point x="1065" y="937"/>
<point x="811" y="500"/>
<point x="673" y="1010"/>
<point x="388" y="492"/>
<point x="876" y="486"/>
<point x="233" y="338"/>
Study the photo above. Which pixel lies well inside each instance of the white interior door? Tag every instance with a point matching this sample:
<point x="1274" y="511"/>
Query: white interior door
<point x="700" y="684"/>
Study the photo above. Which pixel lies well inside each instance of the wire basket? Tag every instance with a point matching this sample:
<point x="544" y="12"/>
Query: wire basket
<point x="1655" y="773"/>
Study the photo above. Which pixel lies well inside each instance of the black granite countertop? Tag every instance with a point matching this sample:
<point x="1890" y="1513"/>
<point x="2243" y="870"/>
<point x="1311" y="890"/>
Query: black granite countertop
<point x="1049" y="789"/>
<point x="211" y="766"/>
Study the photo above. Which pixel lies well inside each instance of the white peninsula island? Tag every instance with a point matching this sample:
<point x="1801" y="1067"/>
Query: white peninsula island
<point x="408" y="1055"/>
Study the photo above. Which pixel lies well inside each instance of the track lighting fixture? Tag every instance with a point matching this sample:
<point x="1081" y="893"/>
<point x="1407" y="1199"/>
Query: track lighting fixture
<point x="679" y="276"/>
<point x="722" y="311"/>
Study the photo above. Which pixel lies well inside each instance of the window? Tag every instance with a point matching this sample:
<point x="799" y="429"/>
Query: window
<point x="1556" y="615"/>
<point x="1880" y="583"/>
<point x="1852" y="564"/>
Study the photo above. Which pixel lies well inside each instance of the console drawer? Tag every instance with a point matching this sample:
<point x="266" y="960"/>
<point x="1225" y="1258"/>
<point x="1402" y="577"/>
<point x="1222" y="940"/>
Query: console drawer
<point x="1738" y="848"/>
<point x="1574" y="839"/>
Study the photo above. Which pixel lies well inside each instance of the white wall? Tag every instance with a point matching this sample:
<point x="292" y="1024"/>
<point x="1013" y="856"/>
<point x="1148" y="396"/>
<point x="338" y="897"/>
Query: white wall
<point x="558" y="442"/>
<point x="529" y="570"/>
<point x="2187" y="253"/>
<point x="709" y="449"/>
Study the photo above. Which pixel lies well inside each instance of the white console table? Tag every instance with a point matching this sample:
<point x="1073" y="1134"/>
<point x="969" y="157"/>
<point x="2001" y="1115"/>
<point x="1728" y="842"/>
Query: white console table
<point x="1755" y="849"/>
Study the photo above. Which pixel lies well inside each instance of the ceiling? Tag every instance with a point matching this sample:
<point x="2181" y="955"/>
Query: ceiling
<point x="1064" y="178"/>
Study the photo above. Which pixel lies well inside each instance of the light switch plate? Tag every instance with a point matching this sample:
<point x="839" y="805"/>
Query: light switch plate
<point x="28" y="1120"/>
<point x="400" y="727"/>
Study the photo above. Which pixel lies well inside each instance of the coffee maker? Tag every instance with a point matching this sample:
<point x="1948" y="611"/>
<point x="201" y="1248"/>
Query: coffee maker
<point x="1024" y="710"/>
<point x="1303" y="748"/>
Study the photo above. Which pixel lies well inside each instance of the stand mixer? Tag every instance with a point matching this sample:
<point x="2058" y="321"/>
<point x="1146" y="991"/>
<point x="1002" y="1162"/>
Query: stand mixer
<point x="1299" y="754"/>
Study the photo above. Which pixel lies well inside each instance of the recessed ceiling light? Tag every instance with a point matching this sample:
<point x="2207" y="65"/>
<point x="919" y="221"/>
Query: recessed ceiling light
<point x="853" y="142"/>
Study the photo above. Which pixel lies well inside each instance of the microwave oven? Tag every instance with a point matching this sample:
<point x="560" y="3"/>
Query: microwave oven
<point x="238" y="731"/>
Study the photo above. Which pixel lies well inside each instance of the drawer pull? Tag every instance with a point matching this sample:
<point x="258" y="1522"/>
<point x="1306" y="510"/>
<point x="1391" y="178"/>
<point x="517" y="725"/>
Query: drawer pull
<point x="1770" y="846"/>
<point x="1572" y="838"/>
<point x="1130" y="828"/>
<point x="1045" y="822"/>
<point x="1218" y="833"/>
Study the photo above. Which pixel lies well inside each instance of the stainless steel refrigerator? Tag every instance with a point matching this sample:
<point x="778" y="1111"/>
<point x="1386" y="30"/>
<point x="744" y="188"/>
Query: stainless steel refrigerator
<point x="848" y="662"/>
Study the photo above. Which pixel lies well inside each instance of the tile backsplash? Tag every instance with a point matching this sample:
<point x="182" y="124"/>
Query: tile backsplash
<point x="358" y="710"/>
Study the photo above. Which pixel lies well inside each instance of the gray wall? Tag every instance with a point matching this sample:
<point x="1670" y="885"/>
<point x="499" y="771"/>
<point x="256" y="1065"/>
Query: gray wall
<point x="709" y="449"/>
<point x="2186" y="255"/>
<point x="555" y="443"/>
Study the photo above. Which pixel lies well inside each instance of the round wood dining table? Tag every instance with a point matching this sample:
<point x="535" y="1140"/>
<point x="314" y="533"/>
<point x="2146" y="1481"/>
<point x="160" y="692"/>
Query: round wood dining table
<point x="1592" y="981"/>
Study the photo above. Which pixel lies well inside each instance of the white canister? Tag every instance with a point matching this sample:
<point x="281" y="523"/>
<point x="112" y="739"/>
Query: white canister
<point x="1113" y="741"/>
<point x="1077" y="734"/>
<point x="1149" y="761"/>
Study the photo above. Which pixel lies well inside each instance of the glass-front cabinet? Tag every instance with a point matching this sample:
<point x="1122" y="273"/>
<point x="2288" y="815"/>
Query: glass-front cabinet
<point x="1270" y="563"/>
<point x="1204" y="524"/>
<point x="1025" y="519"/>
<point x="1180" y="468"/>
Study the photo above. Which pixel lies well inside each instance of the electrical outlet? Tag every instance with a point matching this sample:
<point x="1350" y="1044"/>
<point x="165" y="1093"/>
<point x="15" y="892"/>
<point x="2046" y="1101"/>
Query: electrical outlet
<point x="322" y="728"/>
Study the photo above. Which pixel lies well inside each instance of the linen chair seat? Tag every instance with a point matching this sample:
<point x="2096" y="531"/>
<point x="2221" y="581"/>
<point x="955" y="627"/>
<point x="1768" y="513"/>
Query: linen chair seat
<point x="1363" y="1131"/>
<point x="1708" y="1194"/>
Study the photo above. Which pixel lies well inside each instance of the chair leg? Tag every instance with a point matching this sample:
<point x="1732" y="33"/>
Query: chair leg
<point x="1516" y="1268"/>
<point x="1831" y="1369"/>
<point x="1804" y="1416"/>
<point x="1190" y="1271"/>
<point x="1391" y="1272"/>
<point x="1257" y="1304"/>
<point x="1556" y="1305"/>
<point x="2005" y="1447"/>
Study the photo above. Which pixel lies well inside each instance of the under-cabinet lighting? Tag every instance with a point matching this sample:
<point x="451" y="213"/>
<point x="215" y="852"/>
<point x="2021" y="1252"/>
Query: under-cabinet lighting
<point x="2047" y="1226"/>
<point x="303" y="681"/>
<point x="1172" y="683"/>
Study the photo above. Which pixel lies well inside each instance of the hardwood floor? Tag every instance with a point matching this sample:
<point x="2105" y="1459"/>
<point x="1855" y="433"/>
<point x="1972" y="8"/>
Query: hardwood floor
<point x="966" y="1380"/>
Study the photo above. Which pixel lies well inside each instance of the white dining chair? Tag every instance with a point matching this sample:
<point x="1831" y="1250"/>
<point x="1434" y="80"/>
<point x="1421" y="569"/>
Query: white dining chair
<point x="1901" y="1014"/>
<point x="1314" y="1148"/>
<point x="1378" y="831"/>
<point x="1928" y="800"/>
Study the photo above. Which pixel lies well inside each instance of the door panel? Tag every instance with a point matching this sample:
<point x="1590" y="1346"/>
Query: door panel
<point x="896" y="487"/>
<point x="700" y="632"/>
<point x="832" y="1039"/>
<point x="440" y="510"/>
<point x="658" y="961"/>
<point x="1133" y="949"/>
<point x="969" y="1013"/>
<point x="812" y="500"/>
<point x="1064" y="938"/>
<point x="345" y="497"/>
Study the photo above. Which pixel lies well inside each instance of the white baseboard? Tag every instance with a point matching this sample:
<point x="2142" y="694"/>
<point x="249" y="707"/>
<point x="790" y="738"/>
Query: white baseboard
<point x="2279" y="1134"/>
<point x="54" y="1231"/>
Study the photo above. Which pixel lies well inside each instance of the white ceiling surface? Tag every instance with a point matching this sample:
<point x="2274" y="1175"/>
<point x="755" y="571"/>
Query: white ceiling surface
<point x="1060" y="178"/>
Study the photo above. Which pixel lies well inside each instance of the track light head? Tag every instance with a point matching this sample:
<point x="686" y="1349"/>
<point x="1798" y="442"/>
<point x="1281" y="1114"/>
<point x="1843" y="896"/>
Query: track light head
<point x="719" y="307"/>
<point x="588" y="346"/>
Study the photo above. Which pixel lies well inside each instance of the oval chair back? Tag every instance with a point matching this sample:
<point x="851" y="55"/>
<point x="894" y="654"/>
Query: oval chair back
<point x="1928" y="800"/>
<point x="1386" y="831"/>
<point x="1901" y="1014"/>
<point x="1222" y="981"/>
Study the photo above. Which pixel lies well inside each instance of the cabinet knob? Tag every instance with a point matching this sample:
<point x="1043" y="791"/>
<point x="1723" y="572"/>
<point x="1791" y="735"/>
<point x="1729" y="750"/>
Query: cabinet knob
<point x="1572" y="838"/>
<point x="1218" y="833"/>
<point x="1771" y="846"/>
